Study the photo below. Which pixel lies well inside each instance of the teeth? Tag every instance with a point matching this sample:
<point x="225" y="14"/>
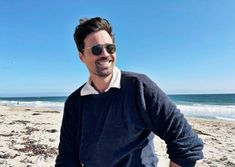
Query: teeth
<point x="104" y="62"/>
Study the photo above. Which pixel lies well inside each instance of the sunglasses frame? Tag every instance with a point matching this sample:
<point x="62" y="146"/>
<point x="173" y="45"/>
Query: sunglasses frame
<point x="102" y="46"/>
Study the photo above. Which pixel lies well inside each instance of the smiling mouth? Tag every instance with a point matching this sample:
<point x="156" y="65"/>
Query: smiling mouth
<point x="104" y="62"/>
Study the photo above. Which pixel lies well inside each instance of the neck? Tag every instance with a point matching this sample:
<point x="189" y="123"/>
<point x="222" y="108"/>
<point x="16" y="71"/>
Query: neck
<point x="101" y="83"/>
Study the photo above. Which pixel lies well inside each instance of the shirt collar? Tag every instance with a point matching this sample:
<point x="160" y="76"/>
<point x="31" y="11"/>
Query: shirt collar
<point x="88" y="89"/>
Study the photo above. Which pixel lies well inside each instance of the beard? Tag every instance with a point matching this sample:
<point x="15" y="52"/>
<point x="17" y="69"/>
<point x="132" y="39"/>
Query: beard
<point x="104" y="66"/>
<point x="104" y="72"/>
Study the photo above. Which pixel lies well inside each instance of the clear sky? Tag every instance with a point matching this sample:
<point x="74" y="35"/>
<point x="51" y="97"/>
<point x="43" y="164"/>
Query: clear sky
<point x="185" y="46"/>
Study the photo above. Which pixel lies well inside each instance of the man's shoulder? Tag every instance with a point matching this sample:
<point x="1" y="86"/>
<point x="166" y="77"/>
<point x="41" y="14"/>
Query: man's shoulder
<point x="142" y="81"/>
<point x="75" y="95"/>
<point x="135" y="77"/>
<point x="132" y="75"/>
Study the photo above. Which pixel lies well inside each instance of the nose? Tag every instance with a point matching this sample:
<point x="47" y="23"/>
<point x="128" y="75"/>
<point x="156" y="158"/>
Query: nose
<point x="104" y="52"/>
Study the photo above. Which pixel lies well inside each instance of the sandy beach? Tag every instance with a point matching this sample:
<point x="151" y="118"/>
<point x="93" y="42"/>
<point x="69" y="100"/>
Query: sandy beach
<point x="30" y="136"/>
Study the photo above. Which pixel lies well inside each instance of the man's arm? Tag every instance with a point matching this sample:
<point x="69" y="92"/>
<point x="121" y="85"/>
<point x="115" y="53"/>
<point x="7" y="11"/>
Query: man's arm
<point x="165" y="120"/>
<point x="68" y="148"/>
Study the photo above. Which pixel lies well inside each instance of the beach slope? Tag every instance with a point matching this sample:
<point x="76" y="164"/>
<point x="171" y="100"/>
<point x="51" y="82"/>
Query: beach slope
<point x="30" y="137"/>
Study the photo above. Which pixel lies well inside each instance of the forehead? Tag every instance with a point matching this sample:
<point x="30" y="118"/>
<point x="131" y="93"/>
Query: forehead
<point x="99" y="37"/>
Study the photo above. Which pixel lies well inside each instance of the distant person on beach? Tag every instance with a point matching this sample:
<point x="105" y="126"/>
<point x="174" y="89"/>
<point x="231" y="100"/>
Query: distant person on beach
<point x="110" y="121"/>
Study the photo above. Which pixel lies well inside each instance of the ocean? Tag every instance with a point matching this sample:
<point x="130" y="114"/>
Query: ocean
<point x="213" y="106"/>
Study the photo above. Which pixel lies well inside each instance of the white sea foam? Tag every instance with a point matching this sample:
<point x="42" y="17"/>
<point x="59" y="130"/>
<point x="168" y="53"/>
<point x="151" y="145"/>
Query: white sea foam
<point x="40" y="104"/>
<point x="226" y="112"/>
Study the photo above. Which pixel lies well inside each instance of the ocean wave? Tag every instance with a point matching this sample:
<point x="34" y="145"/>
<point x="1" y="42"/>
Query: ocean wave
<point x="40" y="104"/>
<point x="226" y="112"/>
<point x="209" y="111"/>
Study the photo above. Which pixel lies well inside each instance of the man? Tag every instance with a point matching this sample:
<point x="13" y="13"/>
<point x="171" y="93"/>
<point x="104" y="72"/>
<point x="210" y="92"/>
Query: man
<point x="110" y="120"/>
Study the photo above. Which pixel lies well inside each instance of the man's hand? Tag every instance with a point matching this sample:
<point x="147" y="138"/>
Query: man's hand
<point x="172" y="164"/>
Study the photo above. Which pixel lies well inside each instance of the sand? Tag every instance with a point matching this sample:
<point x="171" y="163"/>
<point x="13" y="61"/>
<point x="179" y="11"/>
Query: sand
<point x="30" y="137"/>
<point x="219" y="143"/>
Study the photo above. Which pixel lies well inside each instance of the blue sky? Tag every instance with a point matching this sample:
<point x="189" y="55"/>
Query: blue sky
<point x="184" y="46"/>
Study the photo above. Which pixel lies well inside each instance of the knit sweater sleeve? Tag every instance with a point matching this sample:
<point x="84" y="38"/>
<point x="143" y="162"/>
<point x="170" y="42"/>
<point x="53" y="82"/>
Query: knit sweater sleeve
<point x="68" y="150"/>
<point x="165" y="120"/>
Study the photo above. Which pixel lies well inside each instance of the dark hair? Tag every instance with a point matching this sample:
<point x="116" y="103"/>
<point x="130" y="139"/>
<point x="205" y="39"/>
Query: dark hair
<point x="88" y="26"/>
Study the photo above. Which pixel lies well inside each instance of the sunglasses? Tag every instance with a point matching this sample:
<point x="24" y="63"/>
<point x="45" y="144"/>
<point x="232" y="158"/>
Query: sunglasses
<point x="97" y="49"/>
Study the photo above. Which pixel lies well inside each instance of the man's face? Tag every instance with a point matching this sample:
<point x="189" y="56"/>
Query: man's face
<point x="101" y="65"/>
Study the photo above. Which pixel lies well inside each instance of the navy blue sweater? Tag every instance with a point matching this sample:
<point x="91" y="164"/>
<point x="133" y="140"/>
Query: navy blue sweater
<point x="114" y="129"/>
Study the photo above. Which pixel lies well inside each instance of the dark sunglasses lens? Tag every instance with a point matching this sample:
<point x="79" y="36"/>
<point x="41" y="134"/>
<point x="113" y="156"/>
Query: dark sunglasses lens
<point x="96" y="50"/>
<point x="111" y="48"/>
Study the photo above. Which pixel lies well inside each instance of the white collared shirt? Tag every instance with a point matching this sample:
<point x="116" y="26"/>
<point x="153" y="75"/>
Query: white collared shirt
<point x="88" y="89"/>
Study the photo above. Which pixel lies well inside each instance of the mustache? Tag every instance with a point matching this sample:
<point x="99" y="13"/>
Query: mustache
<point x="105" y="58"/>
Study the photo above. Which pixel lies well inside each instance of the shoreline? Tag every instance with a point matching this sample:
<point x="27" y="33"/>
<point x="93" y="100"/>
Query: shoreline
<point x="30" y="136"/>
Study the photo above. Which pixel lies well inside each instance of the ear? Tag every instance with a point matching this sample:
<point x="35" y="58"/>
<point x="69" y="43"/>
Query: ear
<point x="82" y="57"/>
